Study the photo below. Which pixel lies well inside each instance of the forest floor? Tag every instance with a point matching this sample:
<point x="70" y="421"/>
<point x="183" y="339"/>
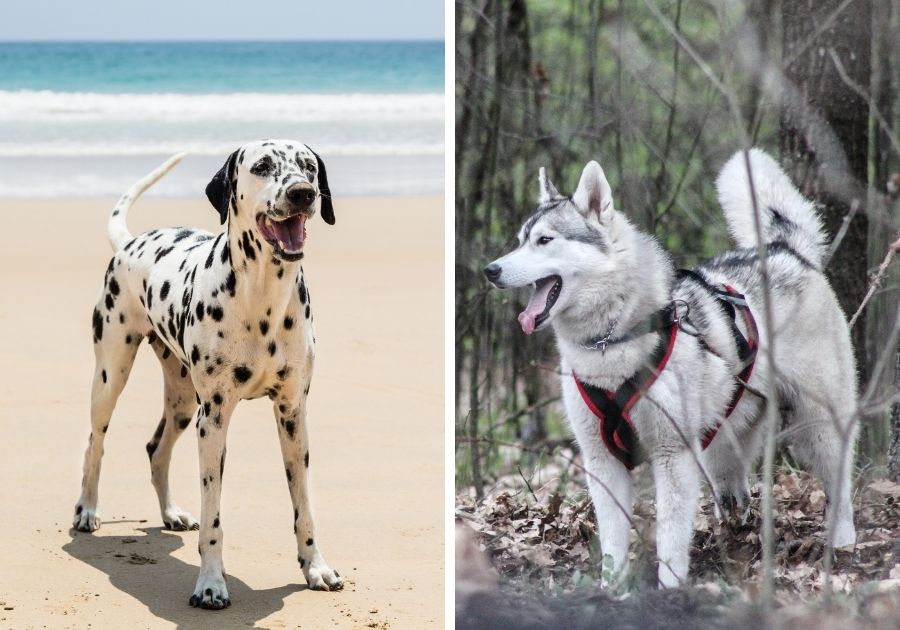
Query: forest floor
<point x="538" y="534"/>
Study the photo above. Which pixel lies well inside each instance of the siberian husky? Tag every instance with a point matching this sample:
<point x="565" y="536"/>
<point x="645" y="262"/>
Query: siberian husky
<point x="656" y="362"/>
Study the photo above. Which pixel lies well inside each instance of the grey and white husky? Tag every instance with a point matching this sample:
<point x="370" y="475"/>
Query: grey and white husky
<point x="611" y="293"/>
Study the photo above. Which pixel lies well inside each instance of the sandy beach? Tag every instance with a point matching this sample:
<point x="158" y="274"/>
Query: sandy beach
<point x="376" y="425"/>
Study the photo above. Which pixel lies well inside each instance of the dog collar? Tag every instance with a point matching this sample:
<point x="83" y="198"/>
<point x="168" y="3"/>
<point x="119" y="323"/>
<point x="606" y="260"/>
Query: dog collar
<point x="656" y="322"/>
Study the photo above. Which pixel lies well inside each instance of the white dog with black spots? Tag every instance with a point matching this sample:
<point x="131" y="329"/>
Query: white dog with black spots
<point x="229" y="318"/>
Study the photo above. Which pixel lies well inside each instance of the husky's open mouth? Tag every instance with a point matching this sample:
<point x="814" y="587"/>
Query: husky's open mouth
<point x="286" y="236"/>
<point x="546" y="292"/>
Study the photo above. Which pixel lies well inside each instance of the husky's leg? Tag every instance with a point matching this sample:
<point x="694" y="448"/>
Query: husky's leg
<point x="610" y="485"/>
<point x="677" y="478"/>
<point x="728" y="461"/>
<point x="822" y="439"/>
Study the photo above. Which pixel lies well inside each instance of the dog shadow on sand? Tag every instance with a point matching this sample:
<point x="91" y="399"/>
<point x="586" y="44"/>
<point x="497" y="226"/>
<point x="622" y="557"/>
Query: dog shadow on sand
<point x="143" y="567"/>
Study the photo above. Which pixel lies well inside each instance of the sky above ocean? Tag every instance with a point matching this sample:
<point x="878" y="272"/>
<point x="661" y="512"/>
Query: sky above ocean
<point x="96" y="115"/>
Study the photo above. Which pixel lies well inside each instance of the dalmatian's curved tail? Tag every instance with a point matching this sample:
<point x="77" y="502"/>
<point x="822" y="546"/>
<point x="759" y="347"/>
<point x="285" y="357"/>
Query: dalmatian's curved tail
<point x="116" y="228"/>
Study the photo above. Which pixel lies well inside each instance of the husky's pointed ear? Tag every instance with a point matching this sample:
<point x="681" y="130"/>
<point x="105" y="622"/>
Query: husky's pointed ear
<point x="594" y="196"/>
<point x="324" y="191"/>
<point x="220" y="188"/>
<point x="547" y="189"/>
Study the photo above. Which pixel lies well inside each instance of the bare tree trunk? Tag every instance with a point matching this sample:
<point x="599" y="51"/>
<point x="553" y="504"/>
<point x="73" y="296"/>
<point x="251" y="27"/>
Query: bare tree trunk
<point x="830" y="161"/>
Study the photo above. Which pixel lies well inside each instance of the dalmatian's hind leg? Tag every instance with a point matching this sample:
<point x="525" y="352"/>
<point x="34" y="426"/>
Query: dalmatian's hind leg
<point x="179" y="406"/>
<point x="114" y="349"/>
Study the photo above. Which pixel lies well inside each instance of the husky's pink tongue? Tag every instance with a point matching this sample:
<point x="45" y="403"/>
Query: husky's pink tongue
<point x="535" y="307"/>
<point x="291" y="232"/>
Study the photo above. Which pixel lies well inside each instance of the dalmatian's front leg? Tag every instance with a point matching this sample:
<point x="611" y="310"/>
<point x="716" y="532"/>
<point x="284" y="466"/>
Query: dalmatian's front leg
<point x="294" y="440"/>
<point x="213" y="416"/>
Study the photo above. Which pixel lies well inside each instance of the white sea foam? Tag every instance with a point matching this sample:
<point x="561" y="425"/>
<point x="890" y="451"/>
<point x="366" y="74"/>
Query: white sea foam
<point x="56" y="107"/>
<point x="55" y="144"/>
<point x="151" y="147"/>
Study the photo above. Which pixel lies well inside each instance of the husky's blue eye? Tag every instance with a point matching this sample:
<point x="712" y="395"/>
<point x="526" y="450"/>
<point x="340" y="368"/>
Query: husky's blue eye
<point x="544" y="240"/>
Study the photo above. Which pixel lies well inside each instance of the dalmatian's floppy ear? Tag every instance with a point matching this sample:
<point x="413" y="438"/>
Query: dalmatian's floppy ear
<point x="221" y="187"/>
<point x="324" y="192"/>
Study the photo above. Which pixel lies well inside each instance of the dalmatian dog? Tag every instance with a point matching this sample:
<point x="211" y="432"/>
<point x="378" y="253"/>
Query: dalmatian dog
<point x="229" y="317"/>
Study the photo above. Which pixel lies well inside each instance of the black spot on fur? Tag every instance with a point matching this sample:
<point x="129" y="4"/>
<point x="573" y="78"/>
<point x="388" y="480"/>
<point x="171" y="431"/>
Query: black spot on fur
<point x="164" y="291"/>
<point x="288" y="323"/>
<point x="200" y="311"/>
<point x="97" y="322"/>
<point x="216" y="313"/>
<point x="307" y="311"/>
<point x="272" y="348"/>
<point x="184" y="371"/>
<point x="103" y="375"/>
<point x="306" y="459"/>
<point x="242" y="374"/>
<point x="230" y="283"/>
<point x="109" y="302"/>
<point x="248" y="247"/>
<point x="163" y="253"/>
<point x="195" y="355"/>
<point x="309" y="542"/>
<point x="216" y="522"/>
<point x="212" y="542"/>
<point x="264" y="327"/>
<point x="114" y="287"/>
<point x="217" y="398"/>
<point x="290" y="477"/>
<point x="290" y="426"/>
<point x="183" y="423"/>
<point x="149" y="297"/>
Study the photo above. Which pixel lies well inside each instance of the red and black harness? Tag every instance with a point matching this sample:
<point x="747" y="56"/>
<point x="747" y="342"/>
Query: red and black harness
<point x="613" y="408"/>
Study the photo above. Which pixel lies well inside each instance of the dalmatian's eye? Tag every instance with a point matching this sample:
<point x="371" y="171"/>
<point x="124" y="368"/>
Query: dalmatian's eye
<point x="544" y="240"/>
<point x="263" y="166"/>
<point x="311" y="167"/>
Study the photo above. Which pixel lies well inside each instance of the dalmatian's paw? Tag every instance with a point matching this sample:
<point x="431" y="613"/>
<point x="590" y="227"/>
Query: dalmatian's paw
<point x="320" y="577"/>
<point x="178" y="520"/>
<point x="86" y="519"/>
<point x="210" y="593"/>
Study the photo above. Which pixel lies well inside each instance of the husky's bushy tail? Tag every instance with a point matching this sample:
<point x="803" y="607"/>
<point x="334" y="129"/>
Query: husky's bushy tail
<point x="116" y="228"/>
<point x="785" y="215"/>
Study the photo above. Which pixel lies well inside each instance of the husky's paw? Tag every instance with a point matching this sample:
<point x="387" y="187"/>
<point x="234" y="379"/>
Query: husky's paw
<point x="733" y="506"/>
<point x="210" y="593"/>
<point x="844" y="535"/>
<point x="178" y="520"/>
<point x="320" y="577"/>
<point x="86" y="519"/>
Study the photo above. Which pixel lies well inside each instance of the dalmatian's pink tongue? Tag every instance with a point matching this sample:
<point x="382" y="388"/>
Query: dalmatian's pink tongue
<point x="535" y="307"/>
<point x="290" y="233"/>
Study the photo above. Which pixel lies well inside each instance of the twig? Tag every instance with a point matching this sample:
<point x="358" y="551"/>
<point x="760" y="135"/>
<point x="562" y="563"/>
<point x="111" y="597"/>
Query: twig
<point x="873" y="285"/>
<point x="842" y="232"/>
<point x="528" y="485"/>
<point x="853" y="85"/>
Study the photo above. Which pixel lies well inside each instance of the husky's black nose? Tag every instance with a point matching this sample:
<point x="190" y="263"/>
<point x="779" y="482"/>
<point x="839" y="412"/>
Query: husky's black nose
<point x="493" y="271"/>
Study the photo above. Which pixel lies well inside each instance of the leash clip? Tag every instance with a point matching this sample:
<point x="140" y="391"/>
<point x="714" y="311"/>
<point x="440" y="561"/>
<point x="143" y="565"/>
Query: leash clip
<point x="683" y="321"/>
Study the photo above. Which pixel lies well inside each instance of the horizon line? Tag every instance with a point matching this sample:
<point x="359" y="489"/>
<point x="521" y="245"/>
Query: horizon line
<point x="150" y="40"/>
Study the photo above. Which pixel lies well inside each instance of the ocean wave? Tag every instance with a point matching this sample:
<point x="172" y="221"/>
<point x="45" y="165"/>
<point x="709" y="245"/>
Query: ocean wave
<point x="56" y="107"/>
<point x="145" y="148"/>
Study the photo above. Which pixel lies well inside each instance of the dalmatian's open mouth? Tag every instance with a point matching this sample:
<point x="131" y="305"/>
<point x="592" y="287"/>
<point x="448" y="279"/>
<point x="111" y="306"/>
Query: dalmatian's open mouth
<point x="286" y="236"/>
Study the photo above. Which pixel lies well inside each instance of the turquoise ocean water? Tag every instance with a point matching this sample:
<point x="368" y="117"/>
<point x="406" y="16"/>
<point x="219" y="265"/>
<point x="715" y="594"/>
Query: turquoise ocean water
<point x="87" y="119"/>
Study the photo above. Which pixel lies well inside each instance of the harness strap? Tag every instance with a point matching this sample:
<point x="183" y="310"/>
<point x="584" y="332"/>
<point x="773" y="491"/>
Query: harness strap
<point x="613" y="408"/>
<point x="746" y="347"/>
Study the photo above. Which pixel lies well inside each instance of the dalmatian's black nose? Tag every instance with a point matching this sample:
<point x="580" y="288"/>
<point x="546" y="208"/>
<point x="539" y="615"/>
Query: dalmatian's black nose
<point x="301" y="194"/>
